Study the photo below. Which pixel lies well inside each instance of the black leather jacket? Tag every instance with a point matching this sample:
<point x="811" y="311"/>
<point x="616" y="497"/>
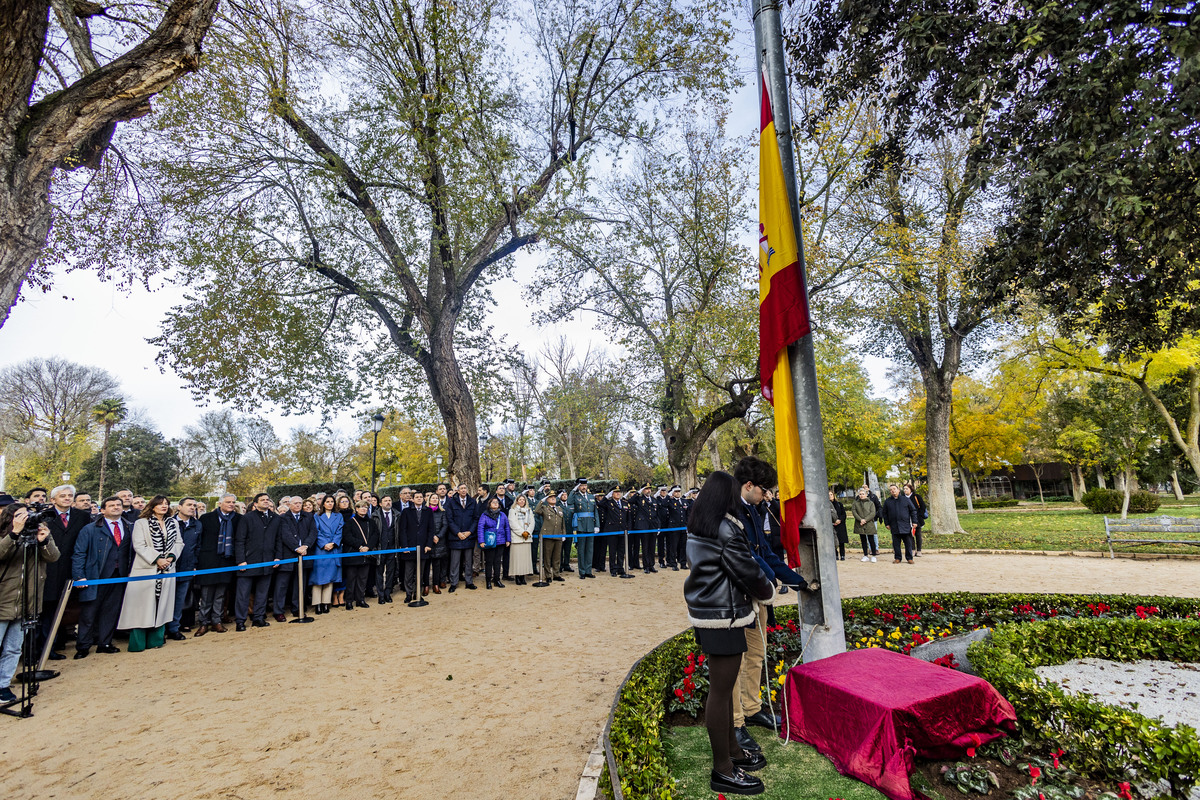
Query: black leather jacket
<point x="724" y="579"/>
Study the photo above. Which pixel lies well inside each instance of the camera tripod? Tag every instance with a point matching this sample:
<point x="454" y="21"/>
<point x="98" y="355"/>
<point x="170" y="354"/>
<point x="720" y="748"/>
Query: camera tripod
<point x="30" y="676"/>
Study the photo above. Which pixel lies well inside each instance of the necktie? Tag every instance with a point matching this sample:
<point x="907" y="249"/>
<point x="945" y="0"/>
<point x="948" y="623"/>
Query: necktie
<point x="387" y="519"/>
<point x="117" y="533"/>
<point x="64" y="518"/>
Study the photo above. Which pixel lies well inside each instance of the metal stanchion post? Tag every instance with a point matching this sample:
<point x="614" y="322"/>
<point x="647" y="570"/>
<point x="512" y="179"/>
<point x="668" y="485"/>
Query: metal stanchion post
<point x="58" y="615"/>
<point x="420" y="601"/>
<point x="625" y="567"/>
<point x="545" y="581"/>
<point x="300" y="591"/>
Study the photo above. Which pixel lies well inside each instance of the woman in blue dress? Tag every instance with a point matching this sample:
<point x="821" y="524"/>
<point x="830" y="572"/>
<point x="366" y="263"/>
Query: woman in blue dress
<point x="326" y="571"/>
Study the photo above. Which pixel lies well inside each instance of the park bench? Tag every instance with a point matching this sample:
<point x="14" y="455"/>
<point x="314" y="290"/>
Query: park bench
<point x="1160" y="525"/>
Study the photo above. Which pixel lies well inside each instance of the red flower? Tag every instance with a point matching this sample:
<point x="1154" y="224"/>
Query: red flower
<point x="968" y="610"/>
<point x="876" y="611"/>
<point x="1124" y="792"/>
<point x="1034" y="773"/>
<point x="970" y="752"/>
<point x="936" y="606"/>
<point x="689" y="669"/>
<point x="679" y="693"/>
<point x="701" y="659"/>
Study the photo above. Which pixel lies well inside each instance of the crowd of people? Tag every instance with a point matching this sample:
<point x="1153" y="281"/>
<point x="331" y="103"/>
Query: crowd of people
<point x="262" y="553"/>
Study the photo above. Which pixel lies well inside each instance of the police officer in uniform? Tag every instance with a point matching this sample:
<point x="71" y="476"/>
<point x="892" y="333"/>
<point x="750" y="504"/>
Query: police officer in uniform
<point x="614" y="519"/>
<point x="676" y="517"/>
<point x="643" y="511"/>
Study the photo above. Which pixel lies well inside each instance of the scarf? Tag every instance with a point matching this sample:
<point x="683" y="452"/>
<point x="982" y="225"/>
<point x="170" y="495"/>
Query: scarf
<point x="225" y="536"/>
<point x="163" y="539"/>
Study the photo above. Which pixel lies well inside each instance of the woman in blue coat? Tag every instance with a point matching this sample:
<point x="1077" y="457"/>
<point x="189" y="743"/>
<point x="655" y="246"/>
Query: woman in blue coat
<point x="326" y="571"/>
<point x="494" y="535"/>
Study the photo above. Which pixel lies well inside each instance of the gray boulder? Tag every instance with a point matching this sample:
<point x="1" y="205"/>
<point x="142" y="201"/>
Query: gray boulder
<point x="951" y="644"/>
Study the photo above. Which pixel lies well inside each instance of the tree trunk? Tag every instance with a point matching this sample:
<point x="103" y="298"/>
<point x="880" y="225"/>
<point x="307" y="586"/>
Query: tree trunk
<point x="964" y="478"/>
<point x="1175" y="487"/>
<point x="455" y="403"/>
<point x="103" y="462"/>
<point x="714" y="453"/>
<point x="1125" y="479"/>
<point x="1078" y="487"/>
<point x="685" y="436"/>
<point x="1037" y="477"/>
<point x="1100" y="478"/>
<point x="943" y="514"/>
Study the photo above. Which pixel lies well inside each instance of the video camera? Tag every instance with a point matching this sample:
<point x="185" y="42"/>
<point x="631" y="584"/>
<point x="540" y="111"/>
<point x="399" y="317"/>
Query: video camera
<point x="38" y="513"/>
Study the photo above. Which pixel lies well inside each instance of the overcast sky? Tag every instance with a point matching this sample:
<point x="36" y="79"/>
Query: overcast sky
<point x="92" y="322"/>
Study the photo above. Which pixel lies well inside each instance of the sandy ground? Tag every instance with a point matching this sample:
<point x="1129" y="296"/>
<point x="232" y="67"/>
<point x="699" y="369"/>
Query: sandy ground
<point x="481" y="694"/>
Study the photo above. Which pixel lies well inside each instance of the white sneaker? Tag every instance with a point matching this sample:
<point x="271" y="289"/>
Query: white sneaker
<point x="872" y="559"/>
<point x="866" y="558"/>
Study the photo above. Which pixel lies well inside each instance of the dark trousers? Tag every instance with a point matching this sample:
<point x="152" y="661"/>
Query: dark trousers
<point x="504" y="561"/>
<point x="565" y="564"/>
<point x="433" y="570"/>
<point x="355" y="578"/>
<point x="212" y="604"/>
<point x="372" y="578"/>
<point x="260" y="587"/>
<point x="907" y="538"/>
<point x="411" y="589"/>
<point x="385" y="576"/>
<point x="537" y="535"/>
<point x="867" y="544"/>
<point x="284" y="594"/>
<point x="616" y="553"/>
<point x="181" y="597"/>
<point x="599" y="551"/>
<point x="635" y="550"/>
<point x="662" y="549"/>
<point x="677" y="548"/>
<point x="98" y="618"/>
<point x="460" y="564"/>
<point x="920" y="539"/>
<point x="649" y="538"/>
<point x="491" y="563"/>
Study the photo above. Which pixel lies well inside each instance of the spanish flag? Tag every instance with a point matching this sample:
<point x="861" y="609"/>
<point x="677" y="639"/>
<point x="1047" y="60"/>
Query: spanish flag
<point x="782" y="319"/>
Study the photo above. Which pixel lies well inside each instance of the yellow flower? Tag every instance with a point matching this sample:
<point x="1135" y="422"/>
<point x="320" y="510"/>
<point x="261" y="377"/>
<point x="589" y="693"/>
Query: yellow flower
<point x="782" y="680"/>
<point x="879" y="633"/>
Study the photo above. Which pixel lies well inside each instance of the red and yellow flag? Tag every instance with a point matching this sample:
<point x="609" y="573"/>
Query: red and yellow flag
<point x="782" y="319"/>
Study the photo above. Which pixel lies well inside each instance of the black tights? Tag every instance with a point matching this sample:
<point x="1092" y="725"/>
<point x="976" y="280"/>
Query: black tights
<point x="718" y="711"/>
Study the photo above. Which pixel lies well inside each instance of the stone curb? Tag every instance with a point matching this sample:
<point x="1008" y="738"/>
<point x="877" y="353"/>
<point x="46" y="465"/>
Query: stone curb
<point x="1067" y="553"/>
<point x="589" y="782"/>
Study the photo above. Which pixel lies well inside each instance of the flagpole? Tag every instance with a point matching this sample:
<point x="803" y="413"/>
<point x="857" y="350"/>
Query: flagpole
<point x="821" y="614"/>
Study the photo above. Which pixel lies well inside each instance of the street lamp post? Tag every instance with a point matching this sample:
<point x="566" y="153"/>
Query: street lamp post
<point x="66" y="477"/>
<point x="377" y="426"/>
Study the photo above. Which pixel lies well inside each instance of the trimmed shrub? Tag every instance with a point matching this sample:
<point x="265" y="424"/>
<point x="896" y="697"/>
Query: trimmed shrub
<point x="634" y="737"/>
<point x="1105" y="741"/>
<point x="307" y="489"/>
<point x="1108" y="501"/>
<point x="1002" y="501"/>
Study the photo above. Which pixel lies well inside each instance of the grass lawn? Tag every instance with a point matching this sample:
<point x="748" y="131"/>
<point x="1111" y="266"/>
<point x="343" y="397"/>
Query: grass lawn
<point x="1059" y="526"/>
<point x="795" y="771"/>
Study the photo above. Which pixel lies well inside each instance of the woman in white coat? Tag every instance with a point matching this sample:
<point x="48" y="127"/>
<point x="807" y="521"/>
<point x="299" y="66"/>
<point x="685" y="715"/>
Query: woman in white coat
<point x="150" y="605"/>
<point x="520" y="552"/>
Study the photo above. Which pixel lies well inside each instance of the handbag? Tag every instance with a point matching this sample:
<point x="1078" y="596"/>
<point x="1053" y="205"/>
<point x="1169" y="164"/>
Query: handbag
<point x="489" y="538"/>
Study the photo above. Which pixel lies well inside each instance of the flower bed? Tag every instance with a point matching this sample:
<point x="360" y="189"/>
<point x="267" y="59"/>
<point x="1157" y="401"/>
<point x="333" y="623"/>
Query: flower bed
<point x="633" y="737"/>
<point x="1106" y="741"/>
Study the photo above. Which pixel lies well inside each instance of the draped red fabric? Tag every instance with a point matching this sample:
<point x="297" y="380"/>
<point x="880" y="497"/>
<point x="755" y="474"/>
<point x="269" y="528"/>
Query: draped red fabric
<point x="871" y="711"/>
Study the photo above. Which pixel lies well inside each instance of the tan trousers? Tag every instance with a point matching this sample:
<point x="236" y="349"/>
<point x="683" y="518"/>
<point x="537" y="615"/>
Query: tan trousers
<point x="323" y="594"/>
<point x="550" y="557"/>
<point x="747" y="702"/>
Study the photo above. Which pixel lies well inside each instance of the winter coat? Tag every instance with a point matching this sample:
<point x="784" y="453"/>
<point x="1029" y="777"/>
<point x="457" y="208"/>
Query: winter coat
<point x="864" y="516"/>
<point x="150" y="604"/>
<point x="643" y="513"/>
<point x="521" y="520"/>
<point x="10" y="574"/>
<point x="293" y="533"/>
<point x="498" y="523"/>
<point x="416" y="530"/>
<point x="189" y="532"/>
<point x="441" y="547"/>
<point x="724" y="579"/>
<point x="838" y="512"/>
<point x="899" y="514"/>
<point x="553" y="519"/>
<point x="329" y="531"/>
<point x="92" y="551"/>
<point x="207" y="556"/>
<point x="357" y="533"/>
<point x="256" y="540"/>
<point x="461" y="518"/>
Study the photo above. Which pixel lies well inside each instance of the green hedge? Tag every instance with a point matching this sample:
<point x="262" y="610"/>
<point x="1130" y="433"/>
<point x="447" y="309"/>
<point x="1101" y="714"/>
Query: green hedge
<point x="1102" y="739"/>
<point x="634" y="737"/>
<point x="1003" y="501"/>
<point x="1109" y="501"/>
<point x="308" y="489"/>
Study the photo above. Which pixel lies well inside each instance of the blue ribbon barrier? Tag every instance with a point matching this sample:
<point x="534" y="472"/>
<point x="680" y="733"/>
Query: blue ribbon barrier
<point x="214" y="570"/>
<point x="610" y="533"/>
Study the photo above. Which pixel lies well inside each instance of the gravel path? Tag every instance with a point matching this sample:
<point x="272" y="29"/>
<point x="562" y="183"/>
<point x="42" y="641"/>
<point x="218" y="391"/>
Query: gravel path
<point x="1156" y="689"/>
<point x="481" y="694"/>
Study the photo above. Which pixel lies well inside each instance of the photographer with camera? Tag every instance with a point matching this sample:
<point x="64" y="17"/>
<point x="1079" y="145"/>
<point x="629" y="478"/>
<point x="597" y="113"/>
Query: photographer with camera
<point x="16" y="601"/>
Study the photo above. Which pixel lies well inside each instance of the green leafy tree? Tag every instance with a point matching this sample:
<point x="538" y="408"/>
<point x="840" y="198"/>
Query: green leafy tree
<point x="1085" y="110"/>
<point x="107" y="413"/>
<point x="138" y="458"/>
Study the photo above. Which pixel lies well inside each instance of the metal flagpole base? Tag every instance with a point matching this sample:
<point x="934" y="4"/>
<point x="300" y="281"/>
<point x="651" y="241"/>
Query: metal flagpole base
<point x="539" y="584"/>
<point x="418" y="603"/>
<point x="304" y="617"/>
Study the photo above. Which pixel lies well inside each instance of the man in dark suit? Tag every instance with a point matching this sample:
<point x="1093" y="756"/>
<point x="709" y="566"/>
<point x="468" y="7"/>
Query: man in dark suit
<point x="297" y="537"/>
<point x="416" y="530"/>
<point x="217" y="530"/>
<point x="189" y="531"/>
<point x="64" y="529"/>
<point x="660" y="503"/>
<point x="102" y="550"/>
<point x="614" y="520"/>
<point x="255" y="541"/>
<point x="388" y="519"/>
<point x="643" y="527"/>
<point x="462" y="516"/>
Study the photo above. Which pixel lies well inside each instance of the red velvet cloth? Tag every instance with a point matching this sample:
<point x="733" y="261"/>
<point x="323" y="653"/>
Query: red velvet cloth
<point x="870" y="711"/>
